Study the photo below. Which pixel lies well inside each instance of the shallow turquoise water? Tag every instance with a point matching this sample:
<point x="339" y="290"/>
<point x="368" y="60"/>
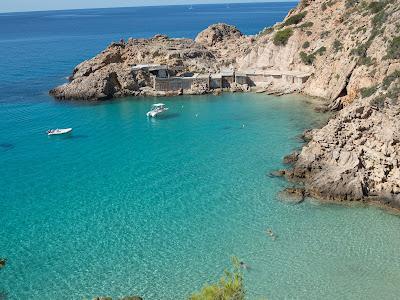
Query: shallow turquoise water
<point x="156" y="208"/>
<point x="128" y="205"/>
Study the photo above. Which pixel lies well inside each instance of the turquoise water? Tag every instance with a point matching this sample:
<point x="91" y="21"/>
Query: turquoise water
<point x="127" y="205"/>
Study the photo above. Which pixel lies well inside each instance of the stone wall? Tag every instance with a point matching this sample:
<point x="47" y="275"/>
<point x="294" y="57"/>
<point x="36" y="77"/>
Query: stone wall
<point x="217" y="81"/>
<point x="177" y="83"/>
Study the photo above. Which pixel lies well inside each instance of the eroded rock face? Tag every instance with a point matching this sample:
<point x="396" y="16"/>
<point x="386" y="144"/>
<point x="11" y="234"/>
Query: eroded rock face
<point x="356" y="155"/>
<point x="110" y="75"/>
<point x="217" y="33"/>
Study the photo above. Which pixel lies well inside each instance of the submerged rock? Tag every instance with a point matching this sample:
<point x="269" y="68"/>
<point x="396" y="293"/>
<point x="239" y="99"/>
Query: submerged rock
<point x="294" y="194"/>
<point x="291" y="158"/>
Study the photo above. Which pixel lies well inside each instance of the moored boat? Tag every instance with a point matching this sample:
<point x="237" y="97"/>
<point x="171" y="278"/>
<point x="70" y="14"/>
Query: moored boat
<point x="59" y="131"/>
<point x="157" y="109"/>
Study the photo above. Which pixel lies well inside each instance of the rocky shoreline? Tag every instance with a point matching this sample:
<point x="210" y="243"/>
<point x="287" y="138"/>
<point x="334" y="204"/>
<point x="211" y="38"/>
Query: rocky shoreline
<point x="346" y="52"/>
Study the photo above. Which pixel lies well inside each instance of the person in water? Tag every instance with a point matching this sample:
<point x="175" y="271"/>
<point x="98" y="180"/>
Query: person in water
<point x="2" y="263"/>
<point x="271" y="233"/>
<point x="244" y="266"/>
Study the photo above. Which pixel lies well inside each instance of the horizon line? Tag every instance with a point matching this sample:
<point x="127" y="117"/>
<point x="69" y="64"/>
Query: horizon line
<point x="118" y="7"/>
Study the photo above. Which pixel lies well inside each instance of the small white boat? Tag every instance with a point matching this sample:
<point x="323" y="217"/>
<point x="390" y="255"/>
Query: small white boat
<point x="157" y="109"/>
<point x="59" y="131"/>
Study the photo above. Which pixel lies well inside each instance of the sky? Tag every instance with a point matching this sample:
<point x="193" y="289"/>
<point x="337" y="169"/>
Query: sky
<point x="33" y="5"/>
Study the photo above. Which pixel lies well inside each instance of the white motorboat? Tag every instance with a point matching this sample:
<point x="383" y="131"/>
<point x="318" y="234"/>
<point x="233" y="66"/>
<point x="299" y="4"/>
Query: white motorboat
<point x="157" y="109"/>
<point x="59" y="131"/>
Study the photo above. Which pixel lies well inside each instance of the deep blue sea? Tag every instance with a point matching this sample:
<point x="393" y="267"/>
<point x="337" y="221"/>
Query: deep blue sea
<point x="131" y="206"/>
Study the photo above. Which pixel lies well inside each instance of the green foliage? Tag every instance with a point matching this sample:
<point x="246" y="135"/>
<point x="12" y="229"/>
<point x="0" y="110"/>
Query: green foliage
<point x="387" y="81"/>
<point x="296" y="19"/>
<point x="337" y="45"/>
<point x="320" y="51"/>
<point x="379" y="101"/>
<point x="363" y="29"/>
<point x="229" y="287"/>
<point x="323" y="6"/>
<point x="324" y="34"/>
<point x="331" y="2"/>
<point x="307" y="25"/>
<point x="281" y="37"/>
<point x="379" y="19"/>
<point x="376" y="6"/>
<point x="393" y="50"/>
<point x="351" y="3"/>
<point x="360" y="50"/>
<point x="308" y="33"/>
<point x="306" y="45"/>
<point x="307" y="59"/>
<point x="366" y="92"/>
<point x="366" y="61"/>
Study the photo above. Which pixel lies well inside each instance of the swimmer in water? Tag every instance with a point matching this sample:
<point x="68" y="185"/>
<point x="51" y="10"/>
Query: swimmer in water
<point x="2" y="263"/>
<point x="271" y="233"/>
<point x="244" y="266"/>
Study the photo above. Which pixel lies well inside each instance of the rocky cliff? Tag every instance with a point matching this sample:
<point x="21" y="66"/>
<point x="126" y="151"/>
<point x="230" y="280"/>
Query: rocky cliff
<point x="352" y="50"/>
<point x="110" y="75"/>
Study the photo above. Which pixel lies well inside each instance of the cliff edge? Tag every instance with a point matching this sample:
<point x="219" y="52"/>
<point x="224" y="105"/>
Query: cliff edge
<point x="353" y="50"/>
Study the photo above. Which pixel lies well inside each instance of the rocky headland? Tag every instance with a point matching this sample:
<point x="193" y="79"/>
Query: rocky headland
<point x="346" y="52"/>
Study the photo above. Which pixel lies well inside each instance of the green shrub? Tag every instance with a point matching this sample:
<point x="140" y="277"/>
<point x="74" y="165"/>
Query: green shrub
<point x="307" y="25"/>
<point x="323" y="6"/>
<point x="390" y="78"/>
<point x="229" y="287"/>
<point x="360" y="50"/>
<point x="363" y="29"/>
<point x="351" y="3"/>
<point x="324" y="34"/>
<point x="281" y="37"/>
<point x="378" y="101"/>
<point x="306" y="45"/>
<point x="296" y="19"/>
<point x="307" y="59"/>
<point x="369" y="91"/>
<point x="309" y="33"/>
<point x="331" y="2"/>
<point x="379" y="19"/>
<point x="320" y="51"/>
<point x="393" y="50"/>
<point x="337" y="45"/>
<point x="366" y="61"/>
<point x="376" y="6"/>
